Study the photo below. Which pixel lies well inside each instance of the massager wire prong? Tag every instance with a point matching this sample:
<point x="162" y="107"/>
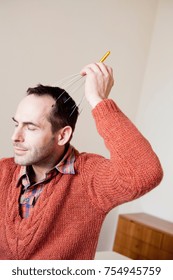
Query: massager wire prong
<point x="69" y="84"/>
<point x="68" y="78"/>
<point x="75" y="106"/>
<point x="75" y="89"/>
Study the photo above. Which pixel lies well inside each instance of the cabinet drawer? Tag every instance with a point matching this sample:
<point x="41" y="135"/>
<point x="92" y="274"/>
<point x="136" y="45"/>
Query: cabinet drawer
<point x="130" y="246"/>
<point x="124" y="251"/>
<point x="167" y="243"/>
<point x="140" y="232"/>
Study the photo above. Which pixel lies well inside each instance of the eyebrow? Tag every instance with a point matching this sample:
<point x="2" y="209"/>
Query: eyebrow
<point x="25" y="123"/>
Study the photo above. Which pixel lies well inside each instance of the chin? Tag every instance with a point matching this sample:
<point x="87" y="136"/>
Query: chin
<point x="21" y="161"/>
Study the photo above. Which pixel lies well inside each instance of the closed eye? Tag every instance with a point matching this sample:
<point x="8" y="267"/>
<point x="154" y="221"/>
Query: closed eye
<point x="31" y="127"/>
<point x="28" y="125"/>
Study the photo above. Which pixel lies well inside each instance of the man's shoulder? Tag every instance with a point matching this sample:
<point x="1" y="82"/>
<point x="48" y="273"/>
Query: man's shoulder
<point x="86" y="158"/>
<point x="8" y="162"/>
<point x="8" y="169"/>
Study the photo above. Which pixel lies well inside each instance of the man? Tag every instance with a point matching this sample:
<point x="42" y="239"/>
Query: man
<point x="54" y="199"/>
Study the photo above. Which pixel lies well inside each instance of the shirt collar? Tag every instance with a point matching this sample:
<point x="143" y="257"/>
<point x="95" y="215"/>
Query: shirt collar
<point x="65" y="166"/>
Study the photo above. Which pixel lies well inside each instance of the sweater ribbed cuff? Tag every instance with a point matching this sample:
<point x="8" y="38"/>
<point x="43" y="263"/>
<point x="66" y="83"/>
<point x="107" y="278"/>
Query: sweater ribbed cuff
<point x="103" y="108"/>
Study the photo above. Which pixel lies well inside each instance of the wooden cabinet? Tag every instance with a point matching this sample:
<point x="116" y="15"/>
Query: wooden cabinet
<point x="142" y="236"/>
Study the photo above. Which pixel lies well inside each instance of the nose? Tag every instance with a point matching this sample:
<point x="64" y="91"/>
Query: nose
<point x="18" y="135"/>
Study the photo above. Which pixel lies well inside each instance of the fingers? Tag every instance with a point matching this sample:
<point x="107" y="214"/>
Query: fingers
<point x="99" y="68"/>
<point x="105" y="69"/>
<point x="98" y="83"/>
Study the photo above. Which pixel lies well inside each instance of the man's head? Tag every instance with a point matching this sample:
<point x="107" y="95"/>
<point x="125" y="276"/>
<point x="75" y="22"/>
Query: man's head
<point x="44" y="124"/>
<point x="62" y="112"/>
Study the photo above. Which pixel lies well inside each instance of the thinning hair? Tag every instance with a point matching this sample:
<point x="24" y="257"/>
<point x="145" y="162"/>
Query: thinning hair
<point x="64" y="112"/>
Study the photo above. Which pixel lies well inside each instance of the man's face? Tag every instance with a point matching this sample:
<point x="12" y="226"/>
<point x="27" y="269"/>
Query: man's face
<point x="33" y="141"/>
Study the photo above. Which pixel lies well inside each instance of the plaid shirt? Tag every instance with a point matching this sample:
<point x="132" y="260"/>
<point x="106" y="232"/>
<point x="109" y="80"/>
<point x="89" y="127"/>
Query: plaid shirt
<point x="31" y="192"/>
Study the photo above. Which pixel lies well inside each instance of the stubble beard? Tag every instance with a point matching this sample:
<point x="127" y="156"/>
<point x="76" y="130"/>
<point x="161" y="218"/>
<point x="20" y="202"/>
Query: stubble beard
<point x="37" y="156"/>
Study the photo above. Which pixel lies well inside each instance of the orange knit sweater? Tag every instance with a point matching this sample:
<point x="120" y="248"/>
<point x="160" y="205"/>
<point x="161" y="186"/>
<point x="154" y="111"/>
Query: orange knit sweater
<point x="66" y="220"/>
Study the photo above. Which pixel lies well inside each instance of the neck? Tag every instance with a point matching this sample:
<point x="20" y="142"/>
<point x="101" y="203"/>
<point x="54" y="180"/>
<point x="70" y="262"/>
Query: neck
<point x="38" y="173"/>
<point x="39" y="170"/>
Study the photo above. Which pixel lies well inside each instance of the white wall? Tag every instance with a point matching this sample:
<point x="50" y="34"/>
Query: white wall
<point x="45" y="40"/>
<point x="155" y="113"/>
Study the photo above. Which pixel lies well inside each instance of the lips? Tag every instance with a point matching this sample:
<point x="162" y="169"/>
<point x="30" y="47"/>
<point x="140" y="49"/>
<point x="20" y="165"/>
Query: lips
<point x="19" y="150"/>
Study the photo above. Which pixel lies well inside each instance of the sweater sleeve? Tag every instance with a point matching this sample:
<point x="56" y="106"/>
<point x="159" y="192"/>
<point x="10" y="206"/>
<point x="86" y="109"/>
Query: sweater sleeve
<point x="133" y="168"/>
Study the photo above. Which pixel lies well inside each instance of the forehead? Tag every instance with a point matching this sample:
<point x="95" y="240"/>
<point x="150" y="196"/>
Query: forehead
<point x="34" y="108"/>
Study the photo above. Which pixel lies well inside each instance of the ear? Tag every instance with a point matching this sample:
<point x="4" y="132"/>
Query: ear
<point x="64" y="135"/>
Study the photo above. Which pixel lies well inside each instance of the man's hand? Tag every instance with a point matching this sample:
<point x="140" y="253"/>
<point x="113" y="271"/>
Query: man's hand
<point x="99" y="81"/>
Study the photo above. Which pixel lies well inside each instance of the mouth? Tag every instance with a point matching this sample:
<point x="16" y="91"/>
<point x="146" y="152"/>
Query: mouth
<point x="18" y="150"/>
